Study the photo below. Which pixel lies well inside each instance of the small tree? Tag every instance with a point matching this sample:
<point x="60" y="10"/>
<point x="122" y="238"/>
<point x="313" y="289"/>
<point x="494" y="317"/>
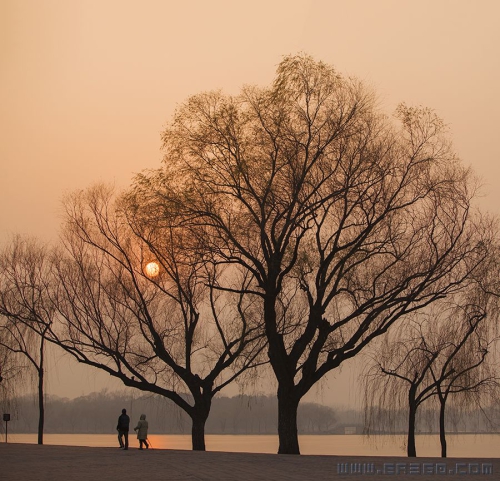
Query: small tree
<point x="25" y="308"/>
<point x="469" y="372"/>
<point x="434" y="355"/>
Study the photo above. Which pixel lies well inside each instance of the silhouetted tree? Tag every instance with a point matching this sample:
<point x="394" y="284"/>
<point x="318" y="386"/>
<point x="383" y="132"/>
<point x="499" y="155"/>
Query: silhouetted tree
<point x="25" y="308"/>
<point x="340" y="220"/>
<point x="470" y="371"/>
<point x="136" y="299"/>
<point x="435" y="354"/>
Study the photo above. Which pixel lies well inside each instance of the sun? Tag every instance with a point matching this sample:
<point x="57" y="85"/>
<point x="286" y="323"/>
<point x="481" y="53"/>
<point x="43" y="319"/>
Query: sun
<point x="152" y="269"/>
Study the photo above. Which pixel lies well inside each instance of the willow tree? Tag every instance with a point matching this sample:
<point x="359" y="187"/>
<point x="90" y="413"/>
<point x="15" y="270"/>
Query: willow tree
<point x="136" y="300"/>
<point x="26" y="310"/>
<point x="467" y="368"/>
<point x="434" y="355"/>
<point x="467" y="376"/>
<point x="343" y="220"/>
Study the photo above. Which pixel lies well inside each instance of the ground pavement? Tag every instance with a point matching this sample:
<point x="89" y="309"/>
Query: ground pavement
<point x="20" y="462"/>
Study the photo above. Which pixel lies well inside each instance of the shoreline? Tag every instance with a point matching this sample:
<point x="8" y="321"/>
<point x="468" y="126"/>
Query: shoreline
<point x="459" y="445"/>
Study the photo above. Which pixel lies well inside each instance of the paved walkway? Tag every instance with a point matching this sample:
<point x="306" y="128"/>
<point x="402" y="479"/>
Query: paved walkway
<point x="20" y="462"/>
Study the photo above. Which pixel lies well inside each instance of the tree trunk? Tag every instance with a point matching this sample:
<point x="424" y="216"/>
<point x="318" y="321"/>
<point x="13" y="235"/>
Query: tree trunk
<point x="412" y="415"/>
<point x="41" y="405"/>
<point x="199" y="416"/>
<point x="198" y="432"/>
<point x="442" y="431"/>
<point x="287" y="422"/>
<point x="287" y="401"/>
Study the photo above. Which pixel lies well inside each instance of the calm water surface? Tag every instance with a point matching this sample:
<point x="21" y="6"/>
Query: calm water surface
<point x="459" y="445"/>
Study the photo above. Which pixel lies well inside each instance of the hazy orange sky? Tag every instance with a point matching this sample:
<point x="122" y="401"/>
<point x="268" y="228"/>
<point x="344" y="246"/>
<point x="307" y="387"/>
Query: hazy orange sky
<point x="86" y="86"/>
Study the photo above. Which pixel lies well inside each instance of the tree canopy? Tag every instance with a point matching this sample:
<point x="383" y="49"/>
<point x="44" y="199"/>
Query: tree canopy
<point x="341" y="219"/>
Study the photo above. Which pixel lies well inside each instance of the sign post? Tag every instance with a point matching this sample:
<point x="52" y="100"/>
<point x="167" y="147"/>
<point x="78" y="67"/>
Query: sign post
<point x="6" y="418"/>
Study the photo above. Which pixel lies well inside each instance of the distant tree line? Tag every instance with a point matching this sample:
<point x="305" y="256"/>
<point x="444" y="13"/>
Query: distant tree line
<point x="98" y="412"/>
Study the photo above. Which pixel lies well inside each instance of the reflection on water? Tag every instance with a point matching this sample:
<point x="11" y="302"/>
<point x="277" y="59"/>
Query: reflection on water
<point x="459" y="445"/>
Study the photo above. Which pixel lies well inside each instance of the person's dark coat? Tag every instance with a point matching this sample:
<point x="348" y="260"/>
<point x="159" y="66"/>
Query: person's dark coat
<point x="123" y="423"/>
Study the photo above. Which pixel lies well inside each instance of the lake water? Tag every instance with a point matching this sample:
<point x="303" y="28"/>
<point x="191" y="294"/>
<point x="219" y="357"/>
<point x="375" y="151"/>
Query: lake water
<point x="459" y="445"/>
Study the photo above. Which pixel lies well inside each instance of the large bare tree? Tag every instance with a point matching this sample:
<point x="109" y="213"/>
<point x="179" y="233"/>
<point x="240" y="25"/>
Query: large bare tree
<point x="136" y="299"/>
<point x="341" y="220"/>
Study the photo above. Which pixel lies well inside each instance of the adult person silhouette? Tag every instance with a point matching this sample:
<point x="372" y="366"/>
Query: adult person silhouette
<point x="122" y="427"/>
<point x="142" y="431"/>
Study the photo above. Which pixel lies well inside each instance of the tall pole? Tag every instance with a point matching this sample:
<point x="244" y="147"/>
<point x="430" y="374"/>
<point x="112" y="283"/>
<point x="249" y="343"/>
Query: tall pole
<point x="6" y="418"/>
